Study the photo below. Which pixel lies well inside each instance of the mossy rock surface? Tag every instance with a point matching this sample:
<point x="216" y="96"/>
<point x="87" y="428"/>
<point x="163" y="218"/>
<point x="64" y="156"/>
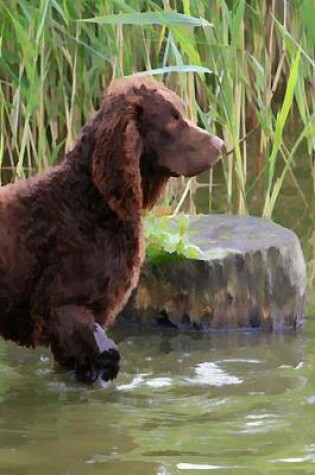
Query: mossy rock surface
<point x="252" y="274"/>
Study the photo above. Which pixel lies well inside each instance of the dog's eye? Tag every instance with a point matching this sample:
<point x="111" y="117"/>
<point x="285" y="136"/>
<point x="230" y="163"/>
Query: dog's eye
<point x="176" y="115"/>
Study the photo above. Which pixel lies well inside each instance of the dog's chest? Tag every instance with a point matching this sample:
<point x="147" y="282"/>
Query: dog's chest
<point x="127" y="256"/>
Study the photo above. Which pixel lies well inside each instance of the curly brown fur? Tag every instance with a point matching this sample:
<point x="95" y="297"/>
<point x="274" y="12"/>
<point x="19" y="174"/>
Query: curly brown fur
<point x="71" y="239"/>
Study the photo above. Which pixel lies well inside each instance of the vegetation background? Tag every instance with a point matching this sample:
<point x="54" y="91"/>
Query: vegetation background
<point x="245" y="69"/>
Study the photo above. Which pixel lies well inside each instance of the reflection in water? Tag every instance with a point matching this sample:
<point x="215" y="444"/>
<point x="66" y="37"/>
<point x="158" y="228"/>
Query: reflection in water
<point x="198" y="466"/>
<point x="231" y="403"/>
<point x="211" y="374"/>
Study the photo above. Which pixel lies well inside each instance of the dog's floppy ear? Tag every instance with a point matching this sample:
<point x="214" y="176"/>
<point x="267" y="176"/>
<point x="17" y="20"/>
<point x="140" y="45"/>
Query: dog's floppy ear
<point x="116" y="157"/>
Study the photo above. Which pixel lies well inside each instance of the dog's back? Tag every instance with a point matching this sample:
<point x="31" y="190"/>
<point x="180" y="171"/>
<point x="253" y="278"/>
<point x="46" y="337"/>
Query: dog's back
<point x="25" y="230"/>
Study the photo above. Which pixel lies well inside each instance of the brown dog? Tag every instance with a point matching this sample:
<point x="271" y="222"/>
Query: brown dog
<point x="71" y="239"/>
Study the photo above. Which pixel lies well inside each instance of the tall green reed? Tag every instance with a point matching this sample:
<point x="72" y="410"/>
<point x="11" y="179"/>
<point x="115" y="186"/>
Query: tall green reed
<point x="243" y="68"/>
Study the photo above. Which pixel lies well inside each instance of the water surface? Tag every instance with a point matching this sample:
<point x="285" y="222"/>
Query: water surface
<point x="183" y="404"/>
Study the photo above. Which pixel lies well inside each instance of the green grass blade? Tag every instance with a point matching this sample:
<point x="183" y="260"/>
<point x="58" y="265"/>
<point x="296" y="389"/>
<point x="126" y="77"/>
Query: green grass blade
<point x="179" y="68"/>
<point x="280" y="122"/>
<point x="149" y="18"/>
<point x="280" y="180"/>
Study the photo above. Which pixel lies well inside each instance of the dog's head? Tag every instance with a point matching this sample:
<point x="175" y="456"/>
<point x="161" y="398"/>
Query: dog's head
<point x="143" y="135"/>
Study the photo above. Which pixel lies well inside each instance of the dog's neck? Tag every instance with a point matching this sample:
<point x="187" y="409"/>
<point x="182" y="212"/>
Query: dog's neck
<point x="153" y="183"/>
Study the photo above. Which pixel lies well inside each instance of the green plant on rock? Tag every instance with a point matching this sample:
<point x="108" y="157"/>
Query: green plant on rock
<point x="163" y="243"/>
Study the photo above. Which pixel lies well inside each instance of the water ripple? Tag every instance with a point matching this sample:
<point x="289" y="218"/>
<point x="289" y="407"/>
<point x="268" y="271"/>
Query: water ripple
<point x="201" y="466"/>
<point x="210" y="374"/>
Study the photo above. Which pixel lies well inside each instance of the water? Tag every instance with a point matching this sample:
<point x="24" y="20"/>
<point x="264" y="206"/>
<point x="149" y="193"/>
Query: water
<point x="183" y="404"/>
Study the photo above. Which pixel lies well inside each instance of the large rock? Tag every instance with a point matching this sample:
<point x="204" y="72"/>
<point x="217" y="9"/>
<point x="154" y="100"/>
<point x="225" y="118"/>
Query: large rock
<point x="252" y="275"/>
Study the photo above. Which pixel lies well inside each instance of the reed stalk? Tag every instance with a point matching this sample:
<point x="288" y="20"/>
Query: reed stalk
<point x="244" y="69"/>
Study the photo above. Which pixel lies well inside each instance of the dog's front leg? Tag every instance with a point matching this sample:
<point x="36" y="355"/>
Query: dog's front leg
<point x="77" y="342"/>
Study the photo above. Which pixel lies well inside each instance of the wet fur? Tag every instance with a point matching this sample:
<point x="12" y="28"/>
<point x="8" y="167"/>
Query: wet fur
<point x="71" y="238"/>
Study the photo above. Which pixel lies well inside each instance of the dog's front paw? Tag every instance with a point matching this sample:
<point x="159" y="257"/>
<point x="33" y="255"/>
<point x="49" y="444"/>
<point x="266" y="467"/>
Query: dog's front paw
<point x="107" y="364"/>
<point x="104" y="366"/>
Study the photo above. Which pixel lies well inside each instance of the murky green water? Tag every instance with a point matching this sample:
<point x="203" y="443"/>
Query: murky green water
<point x="227" y="403"/>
